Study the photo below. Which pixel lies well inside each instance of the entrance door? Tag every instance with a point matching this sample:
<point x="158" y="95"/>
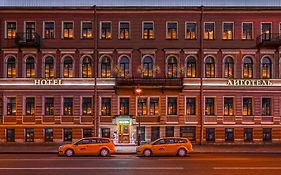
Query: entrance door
<point x="124" y="132"/>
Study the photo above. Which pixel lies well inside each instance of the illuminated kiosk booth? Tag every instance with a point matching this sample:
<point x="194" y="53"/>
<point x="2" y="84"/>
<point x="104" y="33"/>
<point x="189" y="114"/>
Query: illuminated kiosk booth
<point x="124" y="129"/>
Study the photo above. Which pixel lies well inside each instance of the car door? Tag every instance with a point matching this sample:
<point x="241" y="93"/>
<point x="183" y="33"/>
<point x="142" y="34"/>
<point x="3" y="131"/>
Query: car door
<point x="171" y="146"/>
<point x="82" y="147"/>
<point x="159" y="147"/>
<point x="94" y="147"/>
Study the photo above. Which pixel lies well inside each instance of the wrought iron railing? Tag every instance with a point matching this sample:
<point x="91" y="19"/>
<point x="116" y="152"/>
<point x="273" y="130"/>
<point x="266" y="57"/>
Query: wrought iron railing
<point x="269" y="40"/>
<point x="27" y="39"/>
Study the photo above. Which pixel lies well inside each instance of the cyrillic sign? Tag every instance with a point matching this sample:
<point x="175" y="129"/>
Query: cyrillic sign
<point x="247" y="82"/>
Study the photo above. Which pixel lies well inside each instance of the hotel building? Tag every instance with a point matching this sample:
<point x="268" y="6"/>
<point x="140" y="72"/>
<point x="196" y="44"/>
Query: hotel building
<point x="210" y="72"/>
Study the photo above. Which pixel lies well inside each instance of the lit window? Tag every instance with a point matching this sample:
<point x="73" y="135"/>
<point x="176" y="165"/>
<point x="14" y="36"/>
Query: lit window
<point x="29" y="135"/>
<point x="87" y="67"/>
<point x="228" y="67"/>
<point x="67" y="67"/>
<point x="106" y="67"/>
<point x="172" y="65"/>
<point x="190" y="31"/>
<point x="49" y="30"/>
<point x="172" y="31"/>
<point x="209" y="31"/>
<point x="148" y="30"/>
<point x="266" y="68"/>
<point x="147" y="67"/>
<point x="247" y="106"/>
<point x="227" y="31"/>
<point x="106" y="106"/>
<point x="106" y="30"/>
<point x="87" y="106"/>
<point x="124" y="67"/>
<point x="87" y="30"/>
<point x="190" y="106"/>
<point x="266" y="31"/>
<point x="266" y="106"/>
<point x="124" y="106"/>
<point x="11" y="106"/>
<point x="142" y="106"/>
<point x="124" y="30"/>
<point x="209" y="67"/>
<point x="154" y="106"/>
<point x="30" y="31"/>
<point x="209" y="106"/>
<point x="68" y="32"/>
<point x="247" y="33"/>
<point x="248" y="68"/>
<point x="172" y="106"/>
<point x="228" y="106"/>
<point x="11" y="30"/>
<point x="30" y="106"/>
<point x="11" y="68"/>
<point x="67" y="106"/>
<point x="49" y="106"/>
<point x="49" y="67"/>
<point x="30" y="67"/>
<point x="191" y="67"/>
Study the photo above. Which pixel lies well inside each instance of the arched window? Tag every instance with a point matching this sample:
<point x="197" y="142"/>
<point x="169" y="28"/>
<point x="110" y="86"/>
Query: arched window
<point x="67" y="67"/>
<point x="30" y="67"/>
<point x="266" y="68"/>
<point x="228" y="67"/>
<point x="147" y="67"/>
<point x="124" y="66"/>
<point x="209" y="67"/>
<point x="105" y="67"/>
<point x="11" y="67"/>
<point x="191" y="67"/>
<point x="87" y="67"/>
<point x="172" y="64"/>
<point x="248" y="68"/>
<point x="49" y="67"/>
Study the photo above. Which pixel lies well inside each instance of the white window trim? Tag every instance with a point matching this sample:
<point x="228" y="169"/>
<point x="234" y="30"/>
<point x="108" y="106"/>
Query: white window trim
<point x="166" y="65"/>
<point x="234" y="106"/>
<point x="6" y="27"/>
<point x="100" y="61"/>
<point x="252" y="30"/>
<point x="62" y="66"/>
<point x="213" y="32"/>
<point x="5" y="65"/>
<point x="143" y="28"/>
<point x="215" y="105"/>
<point x="62" y="29"/>
<point x="24" y="65"/>
<point x="118" y="100"/>
<point x="100" y="104"/>
<point x="119" y="25"/>
<point x="81" y="104"/>
<point x="5" y="105"/>
<point x="101" y="22"/>
<point x="130" y="61"/>
<point x="27" y="22"/>
<point x="172" y="96"/>
<point x="233" y="30"/>
<point x="81" y="63"/>
<point x="167" y="22"/>
<point x="196" y="105"/>
<point x="44" y="29"/>
<point x="43" y="64"/>
<point x="62" y="105"/>
<point x="153" y="61"/>
<point x="252" y="105"/>
<point x="185" y="27"/>
<point x="272" y="67"/>
<point x="204" y="67"/>
<point x="81" y="29"/>
<point x="43" y="105"/>
<point x="261" y="23"/>
<point x="234" y="65"/>
<point x="271" y="106"/>
<point x="253" y="60"/>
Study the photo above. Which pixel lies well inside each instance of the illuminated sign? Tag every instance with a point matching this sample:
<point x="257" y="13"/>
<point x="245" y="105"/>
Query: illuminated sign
<point x="48" y="82"/>
<point x="247" y="82"/>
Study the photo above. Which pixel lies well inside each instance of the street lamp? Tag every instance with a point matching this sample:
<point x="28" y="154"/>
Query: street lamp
<point x="138" y="92"/>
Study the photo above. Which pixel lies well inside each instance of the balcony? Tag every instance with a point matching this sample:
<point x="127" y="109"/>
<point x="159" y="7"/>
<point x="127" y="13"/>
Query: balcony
<point x="269" y="40"/>
<point x="27" y="40"/>
<point x="150" y="82"/>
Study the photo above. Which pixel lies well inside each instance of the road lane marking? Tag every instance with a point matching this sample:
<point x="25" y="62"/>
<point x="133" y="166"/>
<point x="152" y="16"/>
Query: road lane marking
<point x="247" y="168"/>
<point x="94" y="168"/>
<point x="208" y="159"/>
<point x="61" y="159"/>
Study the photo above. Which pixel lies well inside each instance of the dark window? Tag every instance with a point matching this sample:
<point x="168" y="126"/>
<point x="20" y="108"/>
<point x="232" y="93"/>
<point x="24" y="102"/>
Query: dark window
<point x="87" y="30"/>
<point x="170" y="131"/>
<point x="209" y="67"/>
<point x="29" y="135"/>
<point x="105" y="67"/>
<point x="227" y="31"/>
<point x="30" y="67"/>
<point x="87" y="105"/>
<point x="247" y="33"/>
<point x="248" y="134"/>
<point x="68" y="67"/>
<point x="190" y="106"/>
<point x="172" y="65"/>
<point x="209" y="32"/>
<point x="172" y="30"/>
<point x="68" y="32"/>
<point x="190" y="31"/>
<point x="106" y="106"/>
<point x="30" y="31"/>
<point x="49" y="134"/>
<point x="248" y="68"/>
<point x="67" y="106"/>
<point x="154" y="106"/>
<point x="266" y="106"/>
<point x="49" y="30"/>
<point x="266" y="68"/>
<point x="105" y="132"/>
<point x="172" y="106"/>
<point x="155" y="133"/>
<point x="141" y="132"/>
<point x="49" y="106"/>
<point x="147" y="67"/>
<point x="67" y="135"/>
<point x="188" y="132"/>
<point x="10" y="135"/>
<point x="124" y="106"/>
<point x="87" y="132"/>
<point x="11" y="30"/>
<point x="267" y="134"/>
<point x="229" y="134"/>
<point x="11" y="106"/>
<point x="191" y="67"/>
<point x="87" y="67"/>
<point x="142" y="106"/>
<point x="11" y="68"/>
<point x="266" y="31"/>
<point x="124" y="67"/>
<point x="228" y="106"/>
<point x="148" y="30"/>
<point x="106" y="30"/>
<point x="247" y="106"/>
<point x="210" y="135"/>
<point x="228" y="68"/>
<point x="209" y="106"/>
<point x="30" y="106"/>
<point x="49" y="67"/>
<point x="124" y="30"/>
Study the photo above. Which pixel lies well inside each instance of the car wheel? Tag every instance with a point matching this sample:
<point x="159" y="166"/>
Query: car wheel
<point x="182" y="152"/>
<point x="104" y="152"/>
<point x="147" y="153"/>
<point x="69" y="152"/>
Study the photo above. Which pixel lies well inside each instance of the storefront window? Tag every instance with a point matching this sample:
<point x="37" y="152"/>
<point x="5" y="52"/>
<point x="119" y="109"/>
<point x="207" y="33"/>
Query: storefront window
<point x="155" y="133"/>
<point x="49" y="135"/>
<point x="67" y="135"/>
<point x="10" y="135"/>
<point x="170" y="131"/>
<point x="229" y="134"/>
<point x="105" y="132"/>
<point x="248" y="134"/>
<point x="267" y="134"/>
<point x="87" y="132"/>
<point x="210" y="135"/>
<point x="188" y="132"/>
<point x="29" y="135"/>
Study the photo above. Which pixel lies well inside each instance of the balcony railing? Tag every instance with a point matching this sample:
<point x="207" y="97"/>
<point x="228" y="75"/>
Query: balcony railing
<point x="269" y="40"/>
<point x="27" y="39"/>
<point x="151" y="82"/>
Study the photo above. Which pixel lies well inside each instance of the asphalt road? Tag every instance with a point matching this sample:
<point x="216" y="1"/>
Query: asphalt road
<point x="196" y="164"/>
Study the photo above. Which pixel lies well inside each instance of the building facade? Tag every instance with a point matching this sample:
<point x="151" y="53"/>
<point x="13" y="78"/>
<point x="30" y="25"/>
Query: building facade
<point x="211" y="74"/>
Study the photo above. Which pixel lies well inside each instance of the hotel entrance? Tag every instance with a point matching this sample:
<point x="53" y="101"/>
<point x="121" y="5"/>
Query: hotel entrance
<point x="124" y="129"/>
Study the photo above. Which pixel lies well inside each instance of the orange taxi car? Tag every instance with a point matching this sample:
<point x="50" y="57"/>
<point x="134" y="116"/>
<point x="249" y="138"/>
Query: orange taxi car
<point x="88" y="146"/>
<point x="166" y="146"/>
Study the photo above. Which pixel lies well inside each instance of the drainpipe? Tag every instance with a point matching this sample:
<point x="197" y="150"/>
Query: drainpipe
<point x="201" y="65"/>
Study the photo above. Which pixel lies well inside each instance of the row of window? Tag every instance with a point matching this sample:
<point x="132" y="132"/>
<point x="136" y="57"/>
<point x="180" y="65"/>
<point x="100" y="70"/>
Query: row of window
<point x="148" y="68"/>
<point x="146" y="106"/>
<point x="148" y="31"/>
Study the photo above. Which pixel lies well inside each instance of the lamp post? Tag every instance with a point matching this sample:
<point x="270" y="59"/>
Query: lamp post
<point x="138" y="92"/>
